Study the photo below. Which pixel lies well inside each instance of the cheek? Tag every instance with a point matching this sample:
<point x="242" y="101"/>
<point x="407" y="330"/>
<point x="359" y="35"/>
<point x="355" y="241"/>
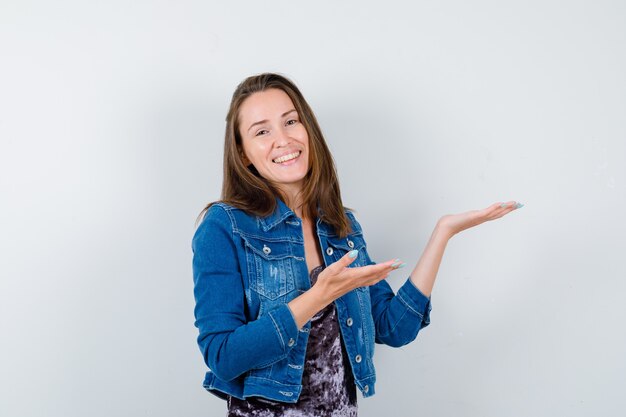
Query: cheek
<point x="303" y="134"/>
<point x="254" y="153"/>
<point x="303" y="139"/>
<point x="259" y="156"/>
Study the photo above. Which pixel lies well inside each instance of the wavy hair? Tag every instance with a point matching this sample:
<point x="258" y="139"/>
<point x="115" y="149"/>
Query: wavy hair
<point x="243" y="187"/>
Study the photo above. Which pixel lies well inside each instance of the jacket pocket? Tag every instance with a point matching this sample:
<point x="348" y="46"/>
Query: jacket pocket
<point x="341" y="246"/>
<point x="271" y="265"/>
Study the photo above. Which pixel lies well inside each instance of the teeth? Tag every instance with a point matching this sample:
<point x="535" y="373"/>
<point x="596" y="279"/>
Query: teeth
<point x="287" y="157"/>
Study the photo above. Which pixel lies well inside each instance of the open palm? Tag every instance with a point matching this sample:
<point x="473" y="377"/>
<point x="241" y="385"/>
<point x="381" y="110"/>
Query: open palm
<point x="455" y="223"/>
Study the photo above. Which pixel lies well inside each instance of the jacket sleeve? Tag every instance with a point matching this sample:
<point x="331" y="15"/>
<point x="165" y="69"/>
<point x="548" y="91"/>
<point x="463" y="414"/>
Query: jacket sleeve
<point x="397" y="317"/>
<point x="229" y="343"/>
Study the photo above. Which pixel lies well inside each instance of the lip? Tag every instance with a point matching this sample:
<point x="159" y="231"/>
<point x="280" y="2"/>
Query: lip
<point x="288" y="153"/>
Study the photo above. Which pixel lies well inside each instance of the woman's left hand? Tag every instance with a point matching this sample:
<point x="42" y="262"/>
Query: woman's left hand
<point x="455" y="223"/>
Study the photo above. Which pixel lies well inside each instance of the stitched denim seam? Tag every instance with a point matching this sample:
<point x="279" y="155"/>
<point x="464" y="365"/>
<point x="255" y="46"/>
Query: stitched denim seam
<point x="363" y="321"/>
<point x="282" y="341"/>
<point x="233" y="222"/>
<point x="287" y="256"/>
<point x="266" y="238"/>
<point x="271" y="380"/>
<point x="421" y="316"/>
<point x="271" y="362"/>
<point x="398" y="322"/>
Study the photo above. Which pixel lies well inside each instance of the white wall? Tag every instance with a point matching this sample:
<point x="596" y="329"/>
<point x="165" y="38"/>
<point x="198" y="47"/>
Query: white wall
<point x="111" y="127"/>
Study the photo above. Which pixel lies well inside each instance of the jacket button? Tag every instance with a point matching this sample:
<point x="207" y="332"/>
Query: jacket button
<point x="350" y="243"/>
<point x="358" y="358"/>
<point x="366" y="389"/>
<point x="291" y="342"/>
<point x="266" y="250"/>
<point x="329" y="251"/>
<point x="349" y="321"/>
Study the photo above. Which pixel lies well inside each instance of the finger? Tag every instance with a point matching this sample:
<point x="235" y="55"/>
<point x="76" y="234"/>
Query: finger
<point x="396" y="264"/>
<point x="376" y="279"/>
<point x="371" y="271"/>
<point x="508" y="204"/>
<point x="489" y="211"/>
<point x="502" y="205"/>
<point x="345" y="260"/>
<point x="386" y="266"/>
<point x="505" y="208"/>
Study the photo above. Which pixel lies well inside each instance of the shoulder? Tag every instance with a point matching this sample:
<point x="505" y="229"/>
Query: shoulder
<point x="224" y="218"/>
<point x="221" y="212"/>
<point x="354" y="223"/>
<point x="218" y="212"/>
<point x="221" y="226"/>
<point x="217" y="219"/>
<point x="214" y="241"/>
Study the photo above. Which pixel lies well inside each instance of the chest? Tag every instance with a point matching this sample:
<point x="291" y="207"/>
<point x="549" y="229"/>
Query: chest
<point x="312" y="250"/>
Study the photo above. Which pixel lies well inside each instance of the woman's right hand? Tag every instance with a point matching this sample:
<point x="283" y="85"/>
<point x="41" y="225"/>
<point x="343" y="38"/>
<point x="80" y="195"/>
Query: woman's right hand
<point x="336" y="280"/>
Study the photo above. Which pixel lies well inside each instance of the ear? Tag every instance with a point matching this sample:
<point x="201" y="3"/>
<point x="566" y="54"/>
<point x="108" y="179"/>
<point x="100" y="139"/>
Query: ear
<point x="244" y="158"/>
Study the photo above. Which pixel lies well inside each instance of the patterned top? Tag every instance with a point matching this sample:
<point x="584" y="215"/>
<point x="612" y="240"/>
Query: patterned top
<point x="328" y="388"/>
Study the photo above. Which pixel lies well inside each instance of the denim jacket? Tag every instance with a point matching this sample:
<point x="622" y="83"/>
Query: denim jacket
<point x="247" y="268"/>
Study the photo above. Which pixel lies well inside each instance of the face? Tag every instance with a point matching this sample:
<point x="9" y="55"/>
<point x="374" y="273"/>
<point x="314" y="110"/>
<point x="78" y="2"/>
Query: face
<point x="274" y="139"/>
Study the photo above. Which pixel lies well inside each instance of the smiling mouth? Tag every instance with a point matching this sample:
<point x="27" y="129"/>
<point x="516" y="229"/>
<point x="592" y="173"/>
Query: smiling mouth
<point x="287" y="158"/>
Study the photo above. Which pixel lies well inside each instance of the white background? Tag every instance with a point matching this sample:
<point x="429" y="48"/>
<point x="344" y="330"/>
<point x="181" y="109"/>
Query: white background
<point x="111" y="128"/>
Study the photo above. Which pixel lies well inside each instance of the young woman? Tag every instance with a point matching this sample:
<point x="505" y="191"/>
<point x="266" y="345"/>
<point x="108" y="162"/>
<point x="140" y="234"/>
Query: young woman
<point x="289" y="304"/>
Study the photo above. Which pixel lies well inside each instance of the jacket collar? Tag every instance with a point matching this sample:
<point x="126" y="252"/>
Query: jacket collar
<point x="280" y="214"/>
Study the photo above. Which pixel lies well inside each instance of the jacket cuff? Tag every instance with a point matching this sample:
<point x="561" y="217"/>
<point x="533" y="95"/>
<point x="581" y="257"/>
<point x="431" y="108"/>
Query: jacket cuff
<point x="285" y="326"/>
<point x="415" y="300"/>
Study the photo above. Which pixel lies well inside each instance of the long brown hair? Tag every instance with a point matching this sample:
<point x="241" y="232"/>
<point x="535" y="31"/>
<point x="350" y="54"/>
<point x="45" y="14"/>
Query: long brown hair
<point x="246" y="189"/>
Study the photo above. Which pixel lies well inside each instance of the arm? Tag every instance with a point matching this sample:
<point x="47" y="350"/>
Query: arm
<point x="336" y="280"/>
<point x="425" y="272"/>
<point x="230" y="345"/>
<point x="399" y="318"/>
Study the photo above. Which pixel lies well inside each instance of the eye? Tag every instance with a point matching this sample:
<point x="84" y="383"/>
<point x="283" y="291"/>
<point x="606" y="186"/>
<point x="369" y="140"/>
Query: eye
<point x="260" y="131"/>
<point x="292" y="120"/>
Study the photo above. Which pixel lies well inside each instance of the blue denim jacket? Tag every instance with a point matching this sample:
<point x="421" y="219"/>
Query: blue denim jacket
<point x="247" y="268"/>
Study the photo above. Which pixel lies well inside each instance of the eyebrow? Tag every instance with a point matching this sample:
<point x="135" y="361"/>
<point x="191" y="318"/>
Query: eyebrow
<point x="265" y="121"/>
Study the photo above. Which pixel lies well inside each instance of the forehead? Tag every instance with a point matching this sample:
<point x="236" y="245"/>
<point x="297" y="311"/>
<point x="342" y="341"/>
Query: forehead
<point x="264" y="105"/>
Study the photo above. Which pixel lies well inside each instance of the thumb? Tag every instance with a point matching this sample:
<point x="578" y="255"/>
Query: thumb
<point x="346" y="260"/>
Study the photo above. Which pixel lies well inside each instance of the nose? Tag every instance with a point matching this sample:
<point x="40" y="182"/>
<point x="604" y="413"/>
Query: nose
<point x="282" y="138"/>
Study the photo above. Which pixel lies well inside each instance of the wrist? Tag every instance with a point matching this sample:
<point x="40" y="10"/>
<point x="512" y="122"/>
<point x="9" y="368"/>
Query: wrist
<point x="443" y="231"/>
<point x="319" y="297"/>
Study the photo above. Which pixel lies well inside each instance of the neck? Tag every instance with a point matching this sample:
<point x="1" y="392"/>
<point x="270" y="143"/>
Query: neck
<point x="294" y="201"/>
<point x="298" y="209"/>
